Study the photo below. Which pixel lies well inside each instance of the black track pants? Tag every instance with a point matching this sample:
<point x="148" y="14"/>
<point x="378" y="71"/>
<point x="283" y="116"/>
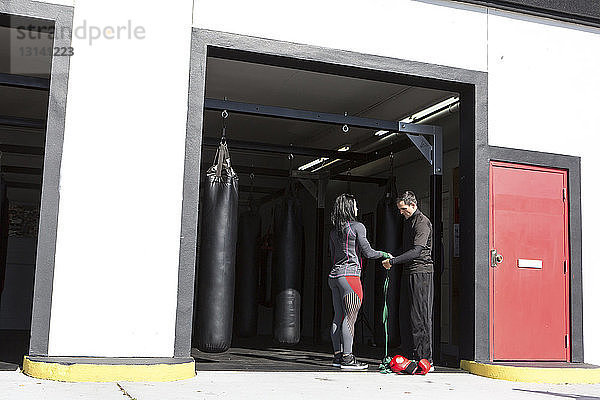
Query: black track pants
<point x="416" y="311"/>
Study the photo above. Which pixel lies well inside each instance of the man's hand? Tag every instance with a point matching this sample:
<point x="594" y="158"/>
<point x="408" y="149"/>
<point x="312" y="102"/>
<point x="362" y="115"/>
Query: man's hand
<point x="386" y="264"/>
<point x="387" y="255"/>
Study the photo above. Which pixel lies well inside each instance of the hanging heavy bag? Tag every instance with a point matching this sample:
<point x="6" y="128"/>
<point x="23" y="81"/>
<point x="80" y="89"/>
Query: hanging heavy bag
<point x="265" y="271"/>
<point x="246" y="287"/>
<point x="389" y="239"/>
<point x="4" y="222"/>
<point x="216" y="268"/>
<point x="287" y="270"/>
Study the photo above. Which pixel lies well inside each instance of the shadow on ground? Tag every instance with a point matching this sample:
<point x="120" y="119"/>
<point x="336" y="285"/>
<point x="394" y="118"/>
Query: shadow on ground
<point x="262" y="354"/>
<point x="565" y="395"/>
<point x="13" y="346"/>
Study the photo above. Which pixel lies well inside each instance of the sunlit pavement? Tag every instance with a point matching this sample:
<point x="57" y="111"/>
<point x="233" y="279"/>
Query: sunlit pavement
<point x="289" y="385"/>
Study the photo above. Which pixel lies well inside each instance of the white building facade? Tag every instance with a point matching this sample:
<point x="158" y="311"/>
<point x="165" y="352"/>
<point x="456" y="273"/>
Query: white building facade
<point x="117" y="243"/>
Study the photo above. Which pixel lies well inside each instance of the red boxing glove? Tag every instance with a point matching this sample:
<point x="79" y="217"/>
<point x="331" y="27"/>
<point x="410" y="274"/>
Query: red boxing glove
<point x="398" y="363"/>
<point x="402" y="365"/>
<point x="423" y="367"/>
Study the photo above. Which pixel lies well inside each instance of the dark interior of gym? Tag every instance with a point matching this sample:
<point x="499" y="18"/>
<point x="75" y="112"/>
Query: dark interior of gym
<point x="24" y="96"/>
<point x="296" y="139"/>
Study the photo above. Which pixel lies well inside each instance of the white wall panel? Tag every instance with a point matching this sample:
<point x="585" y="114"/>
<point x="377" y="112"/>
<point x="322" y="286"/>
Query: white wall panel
<point x="405" y="29"/>
<point x="544" y="83"/>
<point x="117" y="255"/>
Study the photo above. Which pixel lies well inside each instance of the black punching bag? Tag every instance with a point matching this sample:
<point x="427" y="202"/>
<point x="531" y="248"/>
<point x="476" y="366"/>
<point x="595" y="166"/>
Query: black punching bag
<point x="4" y="222"/>
<point x="265" y="262"/>
<point x="246" y="277"/>
<point x="388" y="238"/>
<point x="215" y="276"/>
<point x="287" y="270"/>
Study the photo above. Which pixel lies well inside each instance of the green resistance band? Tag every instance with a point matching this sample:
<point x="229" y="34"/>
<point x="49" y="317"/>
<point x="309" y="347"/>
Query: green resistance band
<point x="384" y="367"/>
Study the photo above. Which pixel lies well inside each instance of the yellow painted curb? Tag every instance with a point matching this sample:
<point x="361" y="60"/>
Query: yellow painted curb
<point x="531" y="374"/>
<point x="79" y="372"/>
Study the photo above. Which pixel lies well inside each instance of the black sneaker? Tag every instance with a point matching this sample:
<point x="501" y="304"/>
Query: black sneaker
<point x="350" y="362"/>
<point x="337" y="360"/>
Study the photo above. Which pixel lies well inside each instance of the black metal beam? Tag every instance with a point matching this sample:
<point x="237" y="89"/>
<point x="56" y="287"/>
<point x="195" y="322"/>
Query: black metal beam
<point x="281" y="149"/>
<point x="282" y="173"/>
<point x="375" y="155"/>
<point x="435" y="212"/>
<point x="22" y="122"/>
<point x="257" y="189"/>
<point x="9" y="169"/>
<point x="242" y="169"/>
<point x="25" y="82"/>
<point x="437" y="153"/>
<point x="359" y="179"/>
<point x="319" y="253"/>
<point x="318" y="285"/>
<point x="422" y="145"/>
<point x="435" y="159"/>
<point x="18" y="149"/>
<point x="314" y="116"/>
<point x="433" y="154"/>
<point x="24" y="185"/>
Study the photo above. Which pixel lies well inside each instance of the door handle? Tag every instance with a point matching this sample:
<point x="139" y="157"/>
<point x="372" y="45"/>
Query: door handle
<point x="495" y="258"/>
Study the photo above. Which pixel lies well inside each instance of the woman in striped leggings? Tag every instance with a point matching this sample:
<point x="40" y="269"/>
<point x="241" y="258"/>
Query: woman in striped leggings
<point x="347" y="241"/>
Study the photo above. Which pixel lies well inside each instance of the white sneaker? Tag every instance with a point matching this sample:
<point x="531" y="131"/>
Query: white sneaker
<point x="350" y="362"/>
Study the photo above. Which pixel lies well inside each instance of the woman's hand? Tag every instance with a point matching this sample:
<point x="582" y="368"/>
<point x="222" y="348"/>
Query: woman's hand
<point x="386" y="263"/>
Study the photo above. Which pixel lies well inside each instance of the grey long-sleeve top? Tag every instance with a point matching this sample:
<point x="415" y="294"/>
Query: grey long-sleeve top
<point x="346" y="247"/>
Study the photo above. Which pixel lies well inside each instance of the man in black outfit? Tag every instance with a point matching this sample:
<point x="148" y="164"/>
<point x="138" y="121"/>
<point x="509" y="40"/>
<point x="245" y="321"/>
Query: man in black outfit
<point x="416" y="289"/>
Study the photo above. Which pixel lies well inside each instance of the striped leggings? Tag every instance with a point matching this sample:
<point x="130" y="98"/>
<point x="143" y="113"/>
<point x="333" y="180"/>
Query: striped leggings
<point x="347" y="295"/>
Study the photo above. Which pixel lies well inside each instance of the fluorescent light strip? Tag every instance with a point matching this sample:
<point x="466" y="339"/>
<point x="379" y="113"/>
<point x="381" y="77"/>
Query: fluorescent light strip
<point x="434" y="108"/>
<point x="312" y="163"/>
<point x="322" y="159"/>
<point x="326" y="165"/>
<point x="427" y="111"/>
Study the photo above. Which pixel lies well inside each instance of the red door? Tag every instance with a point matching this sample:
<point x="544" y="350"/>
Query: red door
<point x="529" y="290"/>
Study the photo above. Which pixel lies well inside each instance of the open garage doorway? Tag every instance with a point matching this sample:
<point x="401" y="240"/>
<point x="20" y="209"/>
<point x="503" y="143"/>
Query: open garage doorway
<point x="268" y="152"/>
<point x="257" y="147"/>
<point x="26" y="58"/>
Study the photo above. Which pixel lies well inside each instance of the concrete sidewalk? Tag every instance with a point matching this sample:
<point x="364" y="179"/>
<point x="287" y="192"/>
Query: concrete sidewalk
<point x="289" y="385"/>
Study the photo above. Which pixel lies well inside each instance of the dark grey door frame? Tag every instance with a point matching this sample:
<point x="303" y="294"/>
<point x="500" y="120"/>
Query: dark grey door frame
<point x="572" y="165"/>
<point x="472" y="86"/>
<point x="17" y="13"/>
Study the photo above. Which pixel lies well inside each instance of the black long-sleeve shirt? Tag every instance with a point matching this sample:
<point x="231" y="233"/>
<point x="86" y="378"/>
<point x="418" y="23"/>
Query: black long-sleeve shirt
<point x="408" y="255"/>
<point x="346" y="247"/>
<point x="416" y="243"/>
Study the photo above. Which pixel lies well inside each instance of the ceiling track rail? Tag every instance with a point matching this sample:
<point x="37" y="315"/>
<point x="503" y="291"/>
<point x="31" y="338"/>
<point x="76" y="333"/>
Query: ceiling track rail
<point x="314" y="116"/>
<point x="24" y="82"/>
<point x="414" y="132"/>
